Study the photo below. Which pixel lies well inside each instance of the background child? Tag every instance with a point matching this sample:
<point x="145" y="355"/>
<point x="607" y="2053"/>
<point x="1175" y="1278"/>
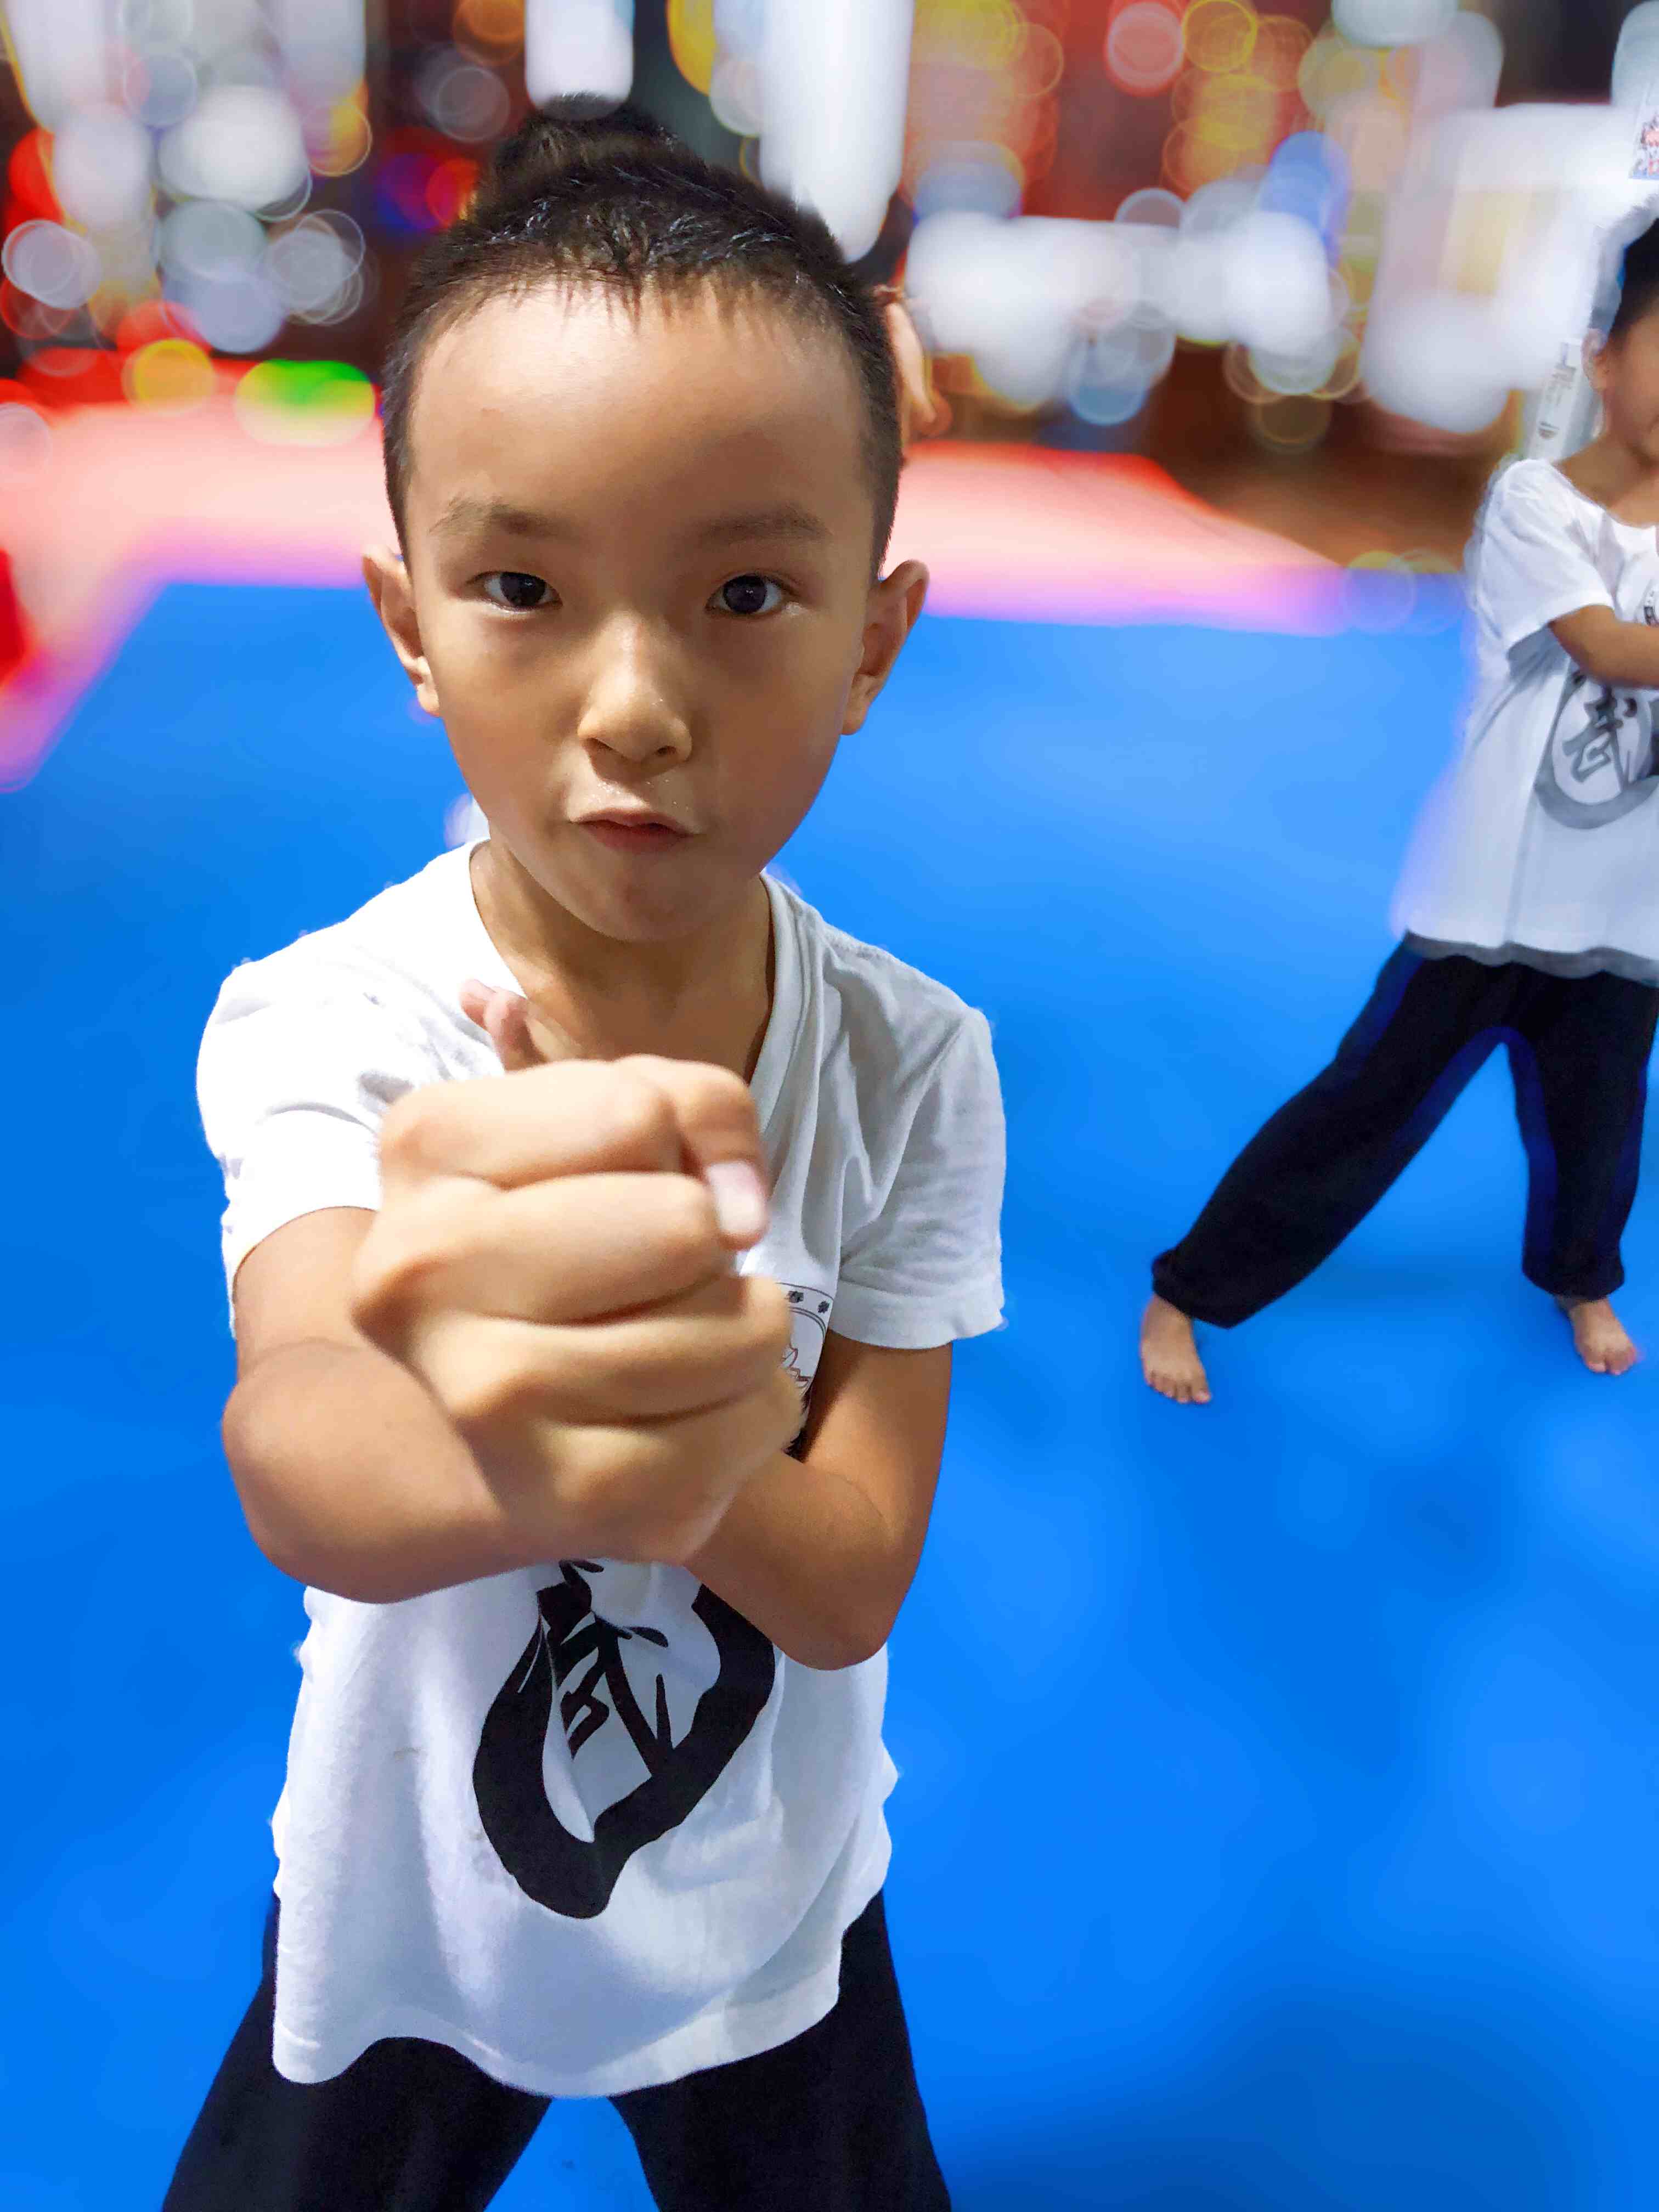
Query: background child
<point x="1529" y="908"/>
<point x="585" y="1792"/>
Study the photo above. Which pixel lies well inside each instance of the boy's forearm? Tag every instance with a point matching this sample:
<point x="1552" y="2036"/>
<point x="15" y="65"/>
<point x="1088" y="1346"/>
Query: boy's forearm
<point x="353" y="1480"/>
<point x="804" y="1555"/>
<point x="1610" y="651"/>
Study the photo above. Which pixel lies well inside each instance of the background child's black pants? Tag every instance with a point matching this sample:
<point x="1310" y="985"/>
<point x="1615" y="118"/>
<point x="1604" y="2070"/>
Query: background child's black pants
<point x="829" y="2122"/>
<point x="1578" y="1050"/>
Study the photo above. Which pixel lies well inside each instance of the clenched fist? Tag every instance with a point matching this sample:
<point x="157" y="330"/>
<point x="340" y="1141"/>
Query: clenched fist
<point x="553" y="1259"/>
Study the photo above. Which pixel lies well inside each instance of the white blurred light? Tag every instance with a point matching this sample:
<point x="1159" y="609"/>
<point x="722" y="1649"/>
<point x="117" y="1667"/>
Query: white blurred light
<point x="311" y="266"/>
<point x="834" y="81"/>
<point x="162" y="22"/>
<point x="1635" y="59"/>
<point x="236" y="313"/>
<point x="101" y="166"/>
<point x="242" y="144"/>
<point x="1462" y="67"/>
<point x="945" y="274"/>
<point x="1025" y="359"/>
<point x="1046" y="305"/>
<point x="342" y="307"/>
<point x="1278" y="283"/>
<point x="160" y="86"/>
<point x="1391" y="22"/>
<point x="740" y="26"/>
<point x="52" y="264"/>
<point x="970" y="173"/>
<point x="1093" y="392"/>
<point x="572" y="47"/>
<point x="64" y="56"/>
<point x="209" y="239"/>
<point x="463" y="99"/>
<point x="322" y="43"/>
<point x="734" y="93"/>
<point x="1153" y="205"/>
<point x="224" y="33"/>
<point x="25" y="445"/>
<point x="1430" y="356"/>
<point x="1080" y="269"/>
<point x="1218" y="206"/>
<point x="1288" y="373"/>
<point x="1129" y="354"/>
<point x="1196" y="287"/>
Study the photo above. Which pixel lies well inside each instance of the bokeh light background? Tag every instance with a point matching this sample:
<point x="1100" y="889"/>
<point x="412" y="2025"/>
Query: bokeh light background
<point x="1281" y="1801"/>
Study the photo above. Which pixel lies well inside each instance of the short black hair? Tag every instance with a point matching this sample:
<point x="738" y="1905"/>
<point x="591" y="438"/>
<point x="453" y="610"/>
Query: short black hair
<point x="1638" y="293"/>
<point x="614" y="198"/>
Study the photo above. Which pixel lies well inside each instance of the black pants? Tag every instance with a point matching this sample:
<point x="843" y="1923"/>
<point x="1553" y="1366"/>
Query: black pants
<point x="829" y="2122"/>
<point x="1578" y="1051"/>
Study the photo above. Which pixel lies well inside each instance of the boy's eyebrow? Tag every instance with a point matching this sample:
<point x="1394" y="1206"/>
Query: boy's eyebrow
<point x="467" y="512"/>
<point x="786" y="519"/>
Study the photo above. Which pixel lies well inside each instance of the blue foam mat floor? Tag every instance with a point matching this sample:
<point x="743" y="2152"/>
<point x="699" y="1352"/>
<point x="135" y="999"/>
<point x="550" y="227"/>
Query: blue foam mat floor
<point x="1280" y="1801"/>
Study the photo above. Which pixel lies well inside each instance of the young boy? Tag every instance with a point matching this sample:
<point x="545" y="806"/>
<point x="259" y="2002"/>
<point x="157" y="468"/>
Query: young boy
<point x="603" y="1529"/>
<point x="1528" y="909"/>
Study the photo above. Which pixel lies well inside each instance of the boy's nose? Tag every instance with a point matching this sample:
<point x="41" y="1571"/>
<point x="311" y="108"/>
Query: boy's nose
<point x="631" y="709"/>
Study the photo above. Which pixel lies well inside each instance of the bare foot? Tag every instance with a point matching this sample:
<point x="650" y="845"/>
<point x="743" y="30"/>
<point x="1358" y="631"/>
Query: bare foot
<point x="1168" y="1355"/>
<point x="1599" y="1335"/>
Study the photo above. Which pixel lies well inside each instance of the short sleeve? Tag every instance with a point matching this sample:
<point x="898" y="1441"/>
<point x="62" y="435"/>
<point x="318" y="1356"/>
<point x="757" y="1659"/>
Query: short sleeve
<point x="294" y="1077"/>
<point x="1535" y="555"/>
<point x="927" y="1268"/>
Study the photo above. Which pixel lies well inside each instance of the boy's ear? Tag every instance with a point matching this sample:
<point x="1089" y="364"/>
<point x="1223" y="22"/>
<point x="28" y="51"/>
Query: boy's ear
<point x="387" y="580"/>
<point x="1595" y="357"/>
<point x="895" y="603"/>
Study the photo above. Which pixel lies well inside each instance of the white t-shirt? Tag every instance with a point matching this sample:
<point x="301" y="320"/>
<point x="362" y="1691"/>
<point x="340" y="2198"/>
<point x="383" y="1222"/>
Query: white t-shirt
<point x="582" y="1822"/>
<point x="1541" y="842"/>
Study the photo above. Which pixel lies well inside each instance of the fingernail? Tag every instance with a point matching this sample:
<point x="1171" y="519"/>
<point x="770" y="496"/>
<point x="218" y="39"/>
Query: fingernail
<point x="741" y="1205"/>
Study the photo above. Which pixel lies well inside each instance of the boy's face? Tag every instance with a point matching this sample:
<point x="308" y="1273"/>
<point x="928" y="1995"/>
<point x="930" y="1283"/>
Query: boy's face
<point x="638" y="583"/>
<point x="1625" y="373"/>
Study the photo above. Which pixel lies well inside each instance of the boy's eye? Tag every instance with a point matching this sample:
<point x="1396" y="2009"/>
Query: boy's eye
<point x="511" y="587"/>
<point x="748" y="595"/>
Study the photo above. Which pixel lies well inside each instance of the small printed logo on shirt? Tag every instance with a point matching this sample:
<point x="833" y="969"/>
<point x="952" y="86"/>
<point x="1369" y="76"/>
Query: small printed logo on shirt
<point x="1599" y="763"/>
<point x="809" y="1326"/>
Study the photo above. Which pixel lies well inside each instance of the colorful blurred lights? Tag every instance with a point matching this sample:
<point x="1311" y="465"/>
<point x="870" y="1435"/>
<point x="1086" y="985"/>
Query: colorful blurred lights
<point x="305" y="403"/>
<point x="170" y="376"/>
<point x="1144" y="48"/>
<point x="1218" y="34"/>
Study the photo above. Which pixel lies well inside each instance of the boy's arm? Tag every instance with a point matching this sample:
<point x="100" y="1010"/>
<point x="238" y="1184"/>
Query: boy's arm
<point x="819" y="1552"/>
<point x="1621" y="653"/>
<point x="350" y="1476"/>
<point x="353" y="1479"/>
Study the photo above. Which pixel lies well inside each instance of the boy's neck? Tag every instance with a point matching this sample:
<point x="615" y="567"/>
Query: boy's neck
<point x="1616" y="477"/>
<point x="705" y="997"/>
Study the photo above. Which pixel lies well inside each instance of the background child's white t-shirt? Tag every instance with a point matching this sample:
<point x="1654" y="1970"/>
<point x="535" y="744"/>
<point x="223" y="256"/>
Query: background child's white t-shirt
<point x="583" y="1823"/>
<point x="1541" y="842"/>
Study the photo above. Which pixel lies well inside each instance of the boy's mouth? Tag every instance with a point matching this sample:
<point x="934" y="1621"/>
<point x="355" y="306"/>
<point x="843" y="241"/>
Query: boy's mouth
<point x="627" y="830"/>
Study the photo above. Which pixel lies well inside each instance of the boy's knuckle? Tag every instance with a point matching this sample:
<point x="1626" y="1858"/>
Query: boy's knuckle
<point x="687" y="1232"/>
<point x="639" y="1114"/>
<point x="481" y="1389"/>
<point x="411" y="1132"/>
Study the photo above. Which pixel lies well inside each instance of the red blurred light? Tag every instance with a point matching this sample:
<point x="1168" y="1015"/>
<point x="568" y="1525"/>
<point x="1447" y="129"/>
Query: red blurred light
<point x="72" y="376"/>
<point x="155" y="319"/>
<point x="14" y="633"/>
<point x="28" y="174"/>
<point x="449" y="188"/>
